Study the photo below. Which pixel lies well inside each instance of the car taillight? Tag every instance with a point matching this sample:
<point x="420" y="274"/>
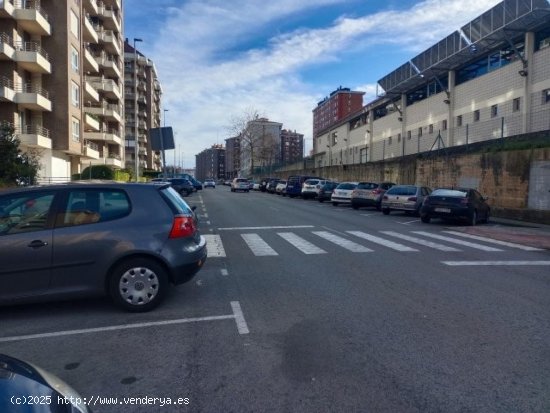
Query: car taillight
<point x="412" y="199"/>
<point x="464" y="201"/>
<point x="385" y="197"/>
<point x="377" y="191"/>
<point x="354" y="192"/>
<point x="183" y="226"/>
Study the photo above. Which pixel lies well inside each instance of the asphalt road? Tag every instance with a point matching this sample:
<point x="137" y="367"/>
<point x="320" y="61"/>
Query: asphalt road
<point x="306" y="307"/>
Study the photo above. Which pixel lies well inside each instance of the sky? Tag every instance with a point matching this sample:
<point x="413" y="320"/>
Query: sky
<point x="218" y="60"/>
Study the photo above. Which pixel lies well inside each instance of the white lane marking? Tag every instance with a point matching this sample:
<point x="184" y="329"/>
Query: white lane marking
<point x="224" y="272"/>
<point x="214" y="245"/>
<point x="420" y="241"/>
<point x="471" y="263"/>
<point x="204" y="215"/>
<point x="407" y="222"/>
<point x="208" y="223"/>
<point x="342" y="242"/>
<point x="368" y="215"/>
<point x="237" y="316"/>
<point x="256" y="228"/>
<point x="457" y="241"/>
<point x="305" y="246"/>
<point x="381" y="241"/>
<point x="494" y="241"/>
<point x="258" y="246"/>
<point x="242" y="327"/>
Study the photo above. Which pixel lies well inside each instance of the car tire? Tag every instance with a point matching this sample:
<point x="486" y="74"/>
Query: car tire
<point x="379" y="206"/>
<point x="138" y="285"/>
<point x="386" y="211"/>
<point x="355" y="206"/>
<point x="425" y="219"/>
<point x="473" y="218"/>
<point x="335" y="203"/>
<point x="487" y="215"/>
<point x="321" y="200"/>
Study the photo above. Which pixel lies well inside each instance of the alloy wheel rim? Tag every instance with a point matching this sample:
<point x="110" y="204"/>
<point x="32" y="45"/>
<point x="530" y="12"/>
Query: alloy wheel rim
<point x="138" y="286"/>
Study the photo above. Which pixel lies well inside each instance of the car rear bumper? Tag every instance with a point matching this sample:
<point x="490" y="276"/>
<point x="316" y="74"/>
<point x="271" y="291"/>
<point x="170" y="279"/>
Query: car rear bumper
<point x="450" y="212"/>
<point x="189" y="261"/>
<point x="400" y="206"/>
<point x="340" y="200"/>
<point x="364" y="202"/>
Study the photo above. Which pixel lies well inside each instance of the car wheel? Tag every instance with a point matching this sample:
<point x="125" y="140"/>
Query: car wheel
<point x="355" y="206"/>
<point x="487" y="215"/>
<point x="386" y="211"/>
<point x="321" y="200"/>
<point x="335" y="203"/>
<point x="425" y="219"/>
<point x="379" y="206"/>
<point x="473" y="218"/>
<point x="138" y="285"/>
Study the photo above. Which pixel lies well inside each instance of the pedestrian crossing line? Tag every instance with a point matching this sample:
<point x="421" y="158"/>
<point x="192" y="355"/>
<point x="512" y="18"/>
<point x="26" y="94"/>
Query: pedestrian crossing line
<point x="420" y="241"/>
<point x="377" y="240"/>
<point x="305" y="246"/>
<point x="494" y="241"/>
<point x="214" y="246"/>
<point x="457" y="241"/>
<point x="258" y="246"/>
<point x="342" y="242"/>
<point x="485" y="263"/>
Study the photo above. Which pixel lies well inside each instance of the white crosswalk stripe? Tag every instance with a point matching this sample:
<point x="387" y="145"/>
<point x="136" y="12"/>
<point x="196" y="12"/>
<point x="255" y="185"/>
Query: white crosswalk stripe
<point x="214" y="246"/>
<point x="457" y="241"/>
<point x="305" y="246"/>
<point x="420" y="241"/>
<point x="494" y="241"/>
<point x="258" y="246"/>
<point x="342" y="242"/>
<point x="377" y="240"/>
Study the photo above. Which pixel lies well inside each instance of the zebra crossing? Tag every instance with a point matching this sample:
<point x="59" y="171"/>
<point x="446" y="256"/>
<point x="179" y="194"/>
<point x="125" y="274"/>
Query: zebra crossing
<point x="308" y="242"/>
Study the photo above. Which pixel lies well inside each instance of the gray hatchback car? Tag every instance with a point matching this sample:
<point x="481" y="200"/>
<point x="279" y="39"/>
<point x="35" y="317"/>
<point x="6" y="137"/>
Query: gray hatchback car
<point x="127" y="240"/>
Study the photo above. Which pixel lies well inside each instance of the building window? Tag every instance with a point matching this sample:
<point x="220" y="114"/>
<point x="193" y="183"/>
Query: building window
<point x="75" y="94"/>
<point x="516" y="105"/>
<point x="546" y="96"/>
<point x="476" y="115"/>
<point x="398" y="138"/>
<point x="431" y="128"/>
<point x="74" y="59"/>
<point x="444" y="124"/>
<point x="419" y="132"/>
<point x="494" y="111"/>
<point x="75" y="24"/>
<point x="459" y="120"/>
<point x="76" y="130"/>
<point x="389" y="140"/>
<point x="409" y="134"/>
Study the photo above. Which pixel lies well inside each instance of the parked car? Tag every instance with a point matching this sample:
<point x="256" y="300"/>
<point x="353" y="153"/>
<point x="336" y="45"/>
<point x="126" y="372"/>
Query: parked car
<point x="256" y="186"/>
<point x="342" y="193"/>
<point x="209" y="183"/>
<point x="271" y="185"/>
<point x="127" y="240"/>
<point x="181" y="185"/>
<point x="311" y="187"/>
<point x="455" y="204"/>
<point x="325" y="193"/>
<point x="280" y="189"/>
<point x="25" y="387"/>
<point x="264" y="182"/>
<point x="406" y="198"/>
<point x="295" y="182"/>
<point x="240" y="184"/>
<point x="369" y="194"/>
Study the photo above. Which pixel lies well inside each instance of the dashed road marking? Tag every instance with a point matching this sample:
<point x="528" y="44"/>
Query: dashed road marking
<point x="377" y="240"/>
<point x="457" y="241"/>
<point x="305" y="246"/>
<point x="258" y="246"/>
<point x="494" y="241"/>
<point x="420" y="241"/>
<point x="342" y="242"/>
<point x="214" y="245"/>
<point x="483" y="263"/>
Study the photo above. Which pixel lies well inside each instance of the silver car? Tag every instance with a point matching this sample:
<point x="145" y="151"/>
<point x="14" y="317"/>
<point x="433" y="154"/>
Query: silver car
<point x="129" y="241"/>
<point x="342" y="193"/>
<point x="406" y="198"/>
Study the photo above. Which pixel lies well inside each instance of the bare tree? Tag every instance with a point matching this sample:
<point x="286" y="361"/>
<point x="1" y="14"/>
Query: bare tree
<point x="249" y="143"/>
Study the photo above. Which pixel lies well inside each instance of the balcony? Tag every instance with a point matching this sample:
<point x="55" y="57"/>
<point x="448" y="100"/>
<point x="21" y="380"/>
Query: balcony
<point x="89" y="34"/>
<point x="107" y="136"/>
<point x="91" y="7"/>
<point x="31" y="57"/>
<point x="90" y="64"/>
<point x="90" y="92"/>
<point x="34" y="136"/>
<point x="113" y="160"/>
<point x="113" y="3"/>
<point x="91" y="123"/>
<point x="108" y="111"/>
<point x="7" y="47"/>
<point x="31" y="17"/>
<point x="111" y="19"/>
<point x="90" y="150"/>
<point x="111" y="89"/>
<point x="32" y="97"/>
<point x="6" y="8"/>
<point x="7" y="90"/>
<point x="109" y="64"/>
<point x="111" y="42"/>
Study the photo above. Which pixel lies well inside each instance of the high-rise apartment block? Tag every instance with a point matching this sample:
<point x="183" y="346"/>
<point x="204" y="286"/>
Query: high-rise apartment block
<point x="210" y="163"/>
<point x="232" y="157"/>
<point x="142" y="108"/>
<point x="292" y="146"/>
<point x="61" y="90"/>
<point x="341" y="103"/>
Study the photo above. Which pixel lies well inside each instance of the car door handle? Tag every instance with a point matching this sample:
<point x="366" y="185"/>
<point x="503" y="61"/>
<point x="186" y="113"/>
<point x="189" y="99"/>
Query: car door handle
<point x="37" y="244"/>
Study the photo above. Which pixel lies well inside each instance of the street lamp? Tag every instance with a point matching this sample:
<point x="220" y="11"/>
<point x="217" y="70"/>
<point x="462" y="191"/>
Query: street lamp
<point x="136" y="141"/>
<point x="165" y="110"/>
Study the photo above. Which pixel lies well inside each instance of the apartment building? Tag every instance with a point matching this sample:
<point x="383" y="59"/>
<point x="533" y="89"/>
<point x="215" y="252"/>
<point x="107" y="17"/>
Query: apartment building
<point x="260" y="145"/>
<point x="61" y="89"/>
<point x="232" y="157"/>
<point x="142" y="97"/>
<point x="210" y="163"/>
<point x="292" y="146"/>
<point x="490" y="79"/>
<point x="335" y="107"/>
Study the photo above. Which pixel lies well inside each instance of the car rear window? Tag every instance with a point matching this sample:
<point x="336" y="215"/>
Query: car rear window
<point x="346" y="186"/>
<point x="450" y="192"/>
<point x="312" y="182"/>
<point x="367" y="185"/>
<point x="176" y="201"/>
<point x="402" y="190"/>
<point x="242" y="180"/>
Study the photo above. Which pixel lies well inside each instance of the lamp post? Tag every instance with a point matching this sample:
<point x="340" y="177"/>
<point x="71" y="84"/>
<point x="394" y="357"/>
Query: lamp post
<point x="136" y="140"/>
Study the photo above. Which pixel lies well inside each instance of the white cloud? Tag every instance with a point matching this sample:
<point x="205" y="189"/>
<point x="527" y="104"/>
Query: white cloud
<point x="205" y="85"/>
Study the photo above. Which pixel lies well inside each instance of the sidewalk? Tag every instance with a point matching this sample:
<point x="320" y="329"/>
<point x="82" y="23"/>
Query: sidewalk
<point x="519" y="232"/>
